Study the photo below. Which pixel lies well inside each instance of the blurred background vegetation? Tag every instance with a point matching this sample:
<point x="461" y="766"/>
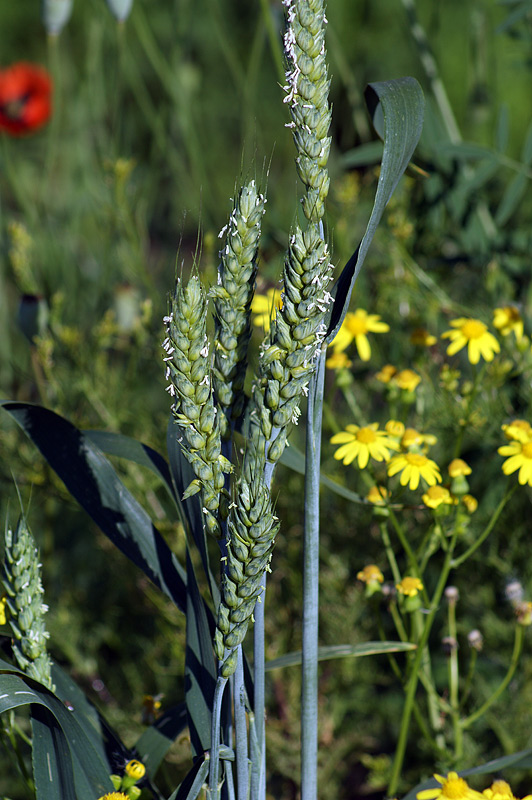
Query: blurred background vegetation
<point x="155" y="123"/>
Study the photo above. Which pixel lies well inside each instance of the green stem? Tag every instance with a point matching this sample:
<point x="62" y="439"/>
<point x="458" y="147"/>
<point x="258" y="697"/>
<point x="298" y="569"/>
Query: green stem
<point x="486" y="532"/>
<point x="390" y="555"/>
<point x="309" y="668"/>
<point x="414" y="674"/>
<point x="214" y="768"/>
<point x="518" y="645"/>
<point x="454" y="699"/>
<point x="241" y="734"/>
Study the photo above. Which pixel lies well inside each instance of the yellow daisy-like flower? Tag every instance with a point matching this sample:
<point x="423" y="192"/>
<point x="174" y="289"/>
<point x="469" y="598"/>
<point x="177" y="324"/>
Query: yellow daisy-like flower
<point x="409" y="587"/>
<point x="363" y="443"/>
<point x="114" y="796"/>
<point x="386" y="373"/>
<point x="470" y="502"/>
<point x="436" y="495"/>
<point x="407" y="379"/>
<point x="377" y="495"/>
<point x="370" y="574"/>
<point x="474" y="334"/>
<point x="338" y="360"/>
<point x="411" y="438"/>
<point x="458" y="467"/>
<point x="508" y="319"/>
<point x="520" y="459"/>
<point x="355" y="327"/>
<point x="519" y="430"/>
<point x="414" y="466"/>
<point x="452" y="788"/>
<point x="265" y="306"/>
<point x="135" y="769"/>
<point x="422" y="338"/>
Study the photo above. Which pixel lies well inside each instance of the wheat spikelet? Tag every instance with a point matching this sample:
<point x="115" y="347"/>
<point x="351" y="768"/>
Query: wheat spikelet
<point x="188" y="369"/>
<point x="233" y="296"/>
<point x="22" y="583"/>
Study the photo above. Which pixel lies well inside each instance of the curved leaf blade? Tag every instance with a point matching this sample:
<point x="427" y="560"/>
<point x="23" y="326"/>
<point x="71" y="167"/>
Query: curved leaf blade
<point x="398" y="106"/>
<point x="342" y="651"/>
<point x="93" y="482"/>
<point x="155" y="742"/>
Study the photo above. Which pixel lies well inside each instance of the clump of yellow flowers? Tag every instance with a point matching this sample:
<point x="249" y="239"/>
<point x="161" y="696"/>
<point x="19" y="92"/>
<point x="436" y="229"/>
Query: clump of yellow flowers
<point x="453" y="787"/>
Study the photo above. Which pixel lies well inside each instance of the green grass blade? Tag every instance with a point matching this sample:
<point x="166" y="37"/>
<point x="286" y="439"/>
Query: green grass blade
<point x="191" y="786"/>
<point x="294" y="459"/>
<point x="327" y="653"/>
<point x="91" y="479"/>
<point x="397" y="109"/>
<point x="52" y="763"/>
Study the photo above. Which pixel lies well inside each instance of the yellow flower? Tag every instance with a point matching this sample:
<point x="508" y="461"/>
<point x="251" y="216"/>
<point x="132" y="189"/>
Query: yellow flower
<point x="409" y="587"/>
<point x="370" y="574"/>
<point x="520" y="459"/>
<point x="355" y="327"/>
<point x="114" y="796"/>
<point x="265" y="306"/>
<point x="508" y="319"/>
<point x="411" y="438"/>
<point x="407" y="379"/>
<point x="470" y="502"/>
<point x="422" y="338"/>
<point x="452" y="788"/>
<point x="413" y="467"/>
<point x="499" y="790"/>
<point x="474" y="334"/>
<point x="519" y="429"/>
<point x="338" y="360"/>
<point x="436" y="495"/>
<point x="458" y="467"/>
<point x="377" y="495"/>
<point x="386" y="373"/>
<point x="135" y="769"/>
<point x="363" y="443"/>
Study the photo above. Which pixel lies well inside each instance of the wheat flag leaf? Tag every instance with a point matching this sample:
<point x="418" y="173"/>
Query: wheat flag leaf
<point x="93" y="482"/>
<point x="157" y="740"/>
<point x="397" y="109"/>
<point x="64" y="755"/>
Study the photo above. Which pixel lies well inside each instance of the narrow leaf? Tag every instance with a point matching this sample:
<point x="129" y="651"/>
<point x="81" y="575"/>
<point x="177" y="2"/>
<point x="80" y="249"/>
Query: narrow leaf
<point x="200" y="668"/>
<point x="342" y="651"/>
<point x="397" y="107"/>
<point x="191" y="786"/>
<point x="52" y="762"/>
<point x="91" y="479"/>
<point x="294" y="459"/>
<point x="511" y="198"/>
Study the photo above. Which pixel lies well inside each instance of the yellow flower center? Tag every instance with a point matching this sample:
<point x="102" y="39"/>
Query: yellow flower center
<point x="455" y="788"/>
<point x="526" y="449"/>
<point x="473" y="329"/>
<point x="366" y="436"/>
<point x="416" y="459"/>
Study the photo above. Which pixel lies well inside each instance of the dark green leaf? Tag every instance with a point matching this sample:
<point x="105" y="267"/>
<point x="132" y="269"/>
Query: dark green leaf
<point x="115" y="444"/>
<point x="191" y="786"/>
<point x="91" y="771"/>
<point x="401" y="105"/>
<point x="91" y="479"/>
<point x="342" y="651"/>
<point x="200" y="667"/>
<point x="156" y="740"/>
<point x="52" y="762"/>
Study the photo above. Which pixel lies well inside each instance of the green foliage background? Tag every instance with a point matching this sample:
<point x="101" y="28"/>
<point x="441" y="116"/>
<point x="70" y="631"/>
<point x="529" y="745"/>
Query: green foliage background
<point x="154" y="126"/>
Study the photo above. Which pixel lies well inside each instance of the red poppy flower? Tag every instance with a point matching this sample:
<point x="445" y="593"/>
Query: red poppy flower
<point x="25" y="98"/>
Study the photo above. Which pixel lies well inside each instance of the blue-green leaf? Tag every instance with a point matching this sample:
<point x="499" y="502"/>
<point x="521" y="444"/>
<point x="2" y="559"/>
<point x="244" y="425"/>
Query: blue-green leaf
<point x="342" y="651"/>
<point x="200" y="667"/>
<point x="91" y="479"/>
<point x="51" y="758"/>
<point x="191" y="786"/>
<point x="397" y="108"/>
<point x="294" y="459"/>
